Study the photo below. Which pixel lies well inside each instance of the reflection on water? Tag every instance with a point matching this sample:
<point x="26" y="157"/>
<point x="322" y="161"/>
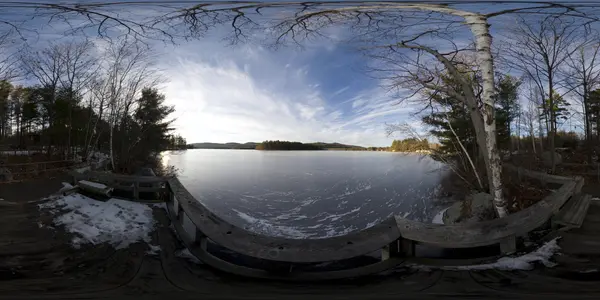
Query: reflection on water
<point x="309" y="194"/>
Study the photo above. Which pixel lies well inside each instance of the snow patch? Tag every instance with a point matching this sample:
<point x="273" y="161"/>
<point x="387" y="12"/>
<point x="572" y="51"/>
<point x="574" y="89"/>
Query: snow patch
<point x="185" y="253"/>
<point x="65" y="187"/>
<point x="83" y="169"/>
<point x="589" y="271"/>
<point x="595" y="199"/>
<point x="117" y="222"/>
<point x="162" y="205"/>
<point x="154" y="250"/>
<point x="523" y="262"/>
<point x="439" y="218"/>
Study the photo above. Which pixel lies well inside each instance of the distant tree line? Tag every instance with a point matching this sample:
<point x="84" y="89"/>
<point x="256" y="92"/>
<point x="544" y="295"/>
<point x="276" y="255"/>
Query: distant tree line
<point x="177" y="142"/>
<point x="286" y="145"/>
<point x="410" y="145"/>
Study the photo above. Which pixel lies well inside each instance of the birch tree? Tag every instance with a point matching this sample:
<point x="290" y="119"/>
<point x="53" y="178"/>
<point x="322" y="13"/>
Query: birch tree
<point x="128" y="68"/>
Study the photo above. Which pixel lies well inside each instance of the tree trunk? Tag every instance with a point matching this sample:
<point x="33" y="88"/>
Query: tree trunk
<point x="586" y="118"/>
<point x="483" y="42"/>
<point x="531" y="133"/>
<point x="112" y="157"/>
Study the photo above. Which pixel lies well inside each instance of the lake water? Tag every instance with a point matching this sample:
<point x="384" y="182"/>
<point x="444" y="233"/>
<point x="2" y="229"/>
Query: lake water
<point x="309" y="194"/>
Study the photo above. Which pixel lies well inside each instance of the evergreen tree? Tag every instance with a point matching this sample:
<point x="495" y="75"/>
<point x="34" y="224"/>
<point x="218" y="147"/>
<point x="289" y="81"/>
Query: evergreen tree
<point x="508" y="107"/>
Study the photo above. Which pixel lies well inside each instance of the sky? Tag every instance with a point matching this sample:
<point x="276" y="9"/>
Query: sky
<point x="249" y="93"/>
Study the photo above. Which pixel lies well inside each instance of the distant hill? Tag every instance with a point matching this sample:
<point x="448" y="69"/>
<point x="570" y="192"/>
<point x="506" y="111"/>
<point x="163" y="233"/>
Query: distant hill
<point x="249" y="145"/>
<point x="336" y="146"/>
<point x="252" y="145"/>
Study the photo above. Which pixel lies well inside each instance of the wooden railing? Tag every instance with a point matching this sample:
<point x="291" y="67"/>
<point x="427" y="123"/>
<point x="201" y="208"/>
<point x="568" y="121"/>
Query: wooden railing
<point x="19" y="170"/>
<point x="126" y="183"/>
<point x="395" y="238"/>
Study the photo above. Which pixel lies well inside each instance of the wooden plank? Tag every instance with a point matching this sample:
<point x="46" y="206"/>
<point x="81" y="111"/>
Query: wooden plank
<point x="199" y="250"/>
<point x="488" y="232"/>
<point x="573" y="213"/>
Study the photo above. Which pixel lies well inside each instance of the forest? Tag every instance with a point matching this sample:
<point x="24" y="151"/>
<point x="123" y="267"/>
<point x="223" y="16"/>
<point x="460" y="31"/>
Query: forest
<point x="76" y="102"/>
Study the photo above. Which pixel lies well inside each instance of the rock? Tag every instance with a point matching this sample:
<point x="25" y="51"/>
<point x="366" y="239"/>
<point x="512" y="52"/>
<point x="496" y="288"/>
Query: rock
<point x="481" y="208"/>
<point x="547" y="159"/>
<point x="5" y="175"/>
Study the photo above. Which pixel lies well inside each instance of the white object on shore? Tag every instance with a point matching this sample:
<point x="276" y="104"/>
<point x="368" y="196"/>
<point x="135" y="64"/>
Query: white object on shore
<point x="95" y="187"/>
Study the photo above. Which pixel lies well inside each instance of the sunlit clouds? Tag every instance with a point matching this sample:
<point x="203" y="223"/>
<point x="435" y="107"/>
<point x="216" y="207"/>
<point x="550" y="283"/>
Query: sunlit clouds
<point x="247" y="93"/>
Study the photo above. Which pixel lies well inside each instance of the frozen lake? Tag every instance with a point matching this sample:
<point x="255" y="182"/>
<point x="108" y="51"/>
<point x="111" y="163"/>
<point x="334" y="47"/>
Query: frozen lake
<point x="309" y="194"/>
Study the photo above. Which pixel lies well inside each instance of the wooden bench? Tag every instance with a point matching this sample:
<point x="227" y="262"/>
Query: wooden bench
<point x="573" y="213"/>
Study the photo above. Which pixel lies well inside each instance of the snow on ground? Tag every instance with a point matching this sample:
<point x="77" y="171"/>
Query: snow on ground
<point x="117" y="222"/>
<point x="19" y="152"/>
<point x="439" y="218"/>
<point x="523" y="262"/>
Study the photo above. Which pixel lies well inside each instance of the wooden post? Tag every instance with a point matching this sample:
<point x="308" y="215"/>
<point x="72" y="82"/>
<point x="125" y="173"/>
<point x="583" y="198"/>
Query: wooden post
<point x="136" y="190"/>
<point x="508" y="245"/>
<point x="385" y="252"/>
<point x="394" y="249"/>
<point x="407" y="247"/>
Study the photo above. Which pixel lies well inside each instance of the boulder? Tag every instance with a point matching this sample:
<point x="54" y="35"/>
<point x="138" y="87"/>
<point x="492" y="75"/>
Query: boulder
<point x="547" y="159"/>
<point x="481" y="208"/>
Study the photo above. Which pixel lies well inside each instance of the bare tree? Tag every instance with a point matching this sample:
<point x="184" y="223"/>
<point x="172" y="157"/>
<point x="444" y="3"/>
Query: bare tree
<point x="531" y="114"/>
<point x="539" y="48"/>
<point x="9" y="62"/>
<point x="582" y="73"/>
<point x="47" y="67"/>
<point x="80" y="64"/>
<point x="127" y="69"/>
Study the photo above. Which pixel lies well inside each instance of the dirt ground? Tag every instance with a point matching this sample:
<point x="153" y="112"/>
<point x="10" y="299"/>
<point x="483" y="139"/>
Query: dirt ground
<point x="37" y="262"/>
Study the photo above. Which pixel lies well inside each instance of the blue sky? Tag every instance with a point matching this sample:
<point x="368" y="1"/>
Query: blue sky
<point x="250" y="93"/>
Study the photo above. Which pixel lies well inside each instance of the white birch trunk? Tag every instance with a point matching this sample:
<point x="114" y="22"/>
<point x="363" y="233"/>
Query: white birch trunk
<point x="483" y="42"/>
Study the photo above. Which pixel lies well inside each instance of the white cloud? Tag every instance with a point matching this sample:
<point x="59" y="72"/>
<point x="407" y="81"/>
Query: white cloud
<point x="230" y="96"/>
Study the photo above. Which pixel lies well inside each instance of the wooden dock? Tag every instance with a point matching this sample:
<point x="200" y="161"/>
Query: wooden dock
<point x="38" y="263"/>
